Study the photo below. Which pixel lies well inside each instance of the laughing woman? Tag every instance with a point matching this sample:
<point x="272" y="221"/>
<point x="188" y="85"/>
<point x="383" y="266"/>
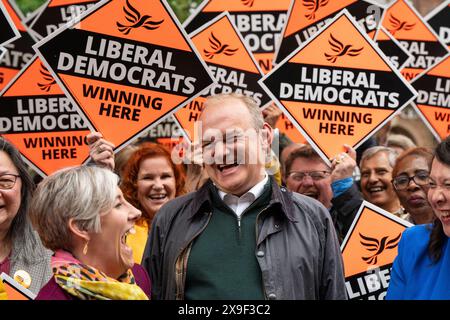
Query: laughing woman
<point x="149" y="180"/>
<point x="421" y="269"/>
<point x="81" y="214"/>
<point x="22" y="255"/>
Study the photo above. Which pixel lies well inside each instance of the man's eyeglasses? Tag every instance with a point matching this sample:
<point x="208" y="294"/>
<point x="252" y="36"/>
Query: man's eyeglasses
<point x="402" y="182"/>
<point x="315" y="175"/>
<point x="8" y="180"/>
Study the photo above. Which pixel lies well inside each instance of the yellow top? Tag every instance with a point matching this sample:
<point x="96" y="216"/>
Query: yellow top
<point x="273" y="168"/>
<point x="3" y="295"/>
<point x="138" y="240"/>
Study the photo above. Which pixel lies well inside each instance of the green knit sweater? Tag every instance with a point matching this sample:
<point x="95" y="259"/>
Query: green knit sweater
<point x="222" y="263"/>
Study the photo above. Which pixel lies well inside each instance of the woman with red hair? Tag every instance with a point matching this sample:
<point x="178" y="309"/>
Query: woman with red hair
<point x="149" y="180"/>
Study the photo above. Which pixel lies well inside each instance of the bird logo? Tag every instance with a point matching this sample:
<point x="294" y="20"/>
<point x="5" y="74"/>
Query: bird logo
<point x="218" y="48"/>
<point x="379" y="246"/>
<point x="398" y="25"/>
<point x="248" y="3"/>
<point x="340" y="50"/>
<point x="134" y="17"/>
<point x="313" y="6"/>
<point x="49" y="81"/>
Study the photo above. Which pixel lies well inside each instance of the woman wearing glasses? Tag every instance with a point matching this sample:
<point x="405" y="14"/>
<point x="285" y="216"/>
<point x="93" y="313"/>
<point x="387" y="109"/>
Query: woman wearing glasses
<point x="411" y="172"/>
<point x="22" y="255"/>
<point x="421" y="269"/>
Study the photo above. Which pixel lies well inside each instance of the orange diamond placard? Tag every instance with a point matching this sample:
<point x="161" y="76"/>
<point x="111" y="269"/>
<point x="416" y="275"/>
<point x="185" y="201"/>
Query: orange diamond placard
<point x="57" y="13"/>
<point x="126" y="64"/>
<point x="415" y="35"/>
<point x="232" y="64"/>
<point x="338" y="87"/>
<point x="390" y="46"/>
<point x="433" y="99"/>
<point x="9" y="31"/>
<point x="439" y="20"/>
<point x="260" y="23"/>
<point x="19" y="51"/>
<point x="306" y="17"/>
<point x="286" y="127"/>
<point x="41" y="122"/>
<point x="369" y="250"/>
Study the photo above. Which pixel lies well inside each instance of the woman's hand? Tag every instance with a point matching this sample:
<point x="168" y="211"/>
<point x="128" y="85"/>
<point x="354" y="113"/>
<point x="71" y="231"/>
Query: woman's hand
<point x="101" y="150"/>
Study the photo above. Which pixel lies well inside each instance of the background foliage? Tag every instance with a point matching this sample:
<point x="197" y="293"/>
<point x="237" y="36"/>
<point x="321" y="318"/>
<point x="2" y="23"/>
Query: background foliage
<point x="180" y="7"/>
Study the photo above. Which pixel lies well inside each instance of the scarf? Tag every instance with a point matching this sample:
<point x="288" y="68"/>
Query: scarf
<point x="88" y="283"/>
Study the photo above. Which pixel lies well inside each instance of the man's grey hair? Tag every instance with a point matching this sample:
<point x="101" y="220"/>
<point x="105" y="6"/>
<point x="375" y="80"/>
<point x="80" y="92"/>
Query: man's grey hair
<point x="369" y="153"/>
<point x="250" y="103"/>
<point x="79" y="193"/>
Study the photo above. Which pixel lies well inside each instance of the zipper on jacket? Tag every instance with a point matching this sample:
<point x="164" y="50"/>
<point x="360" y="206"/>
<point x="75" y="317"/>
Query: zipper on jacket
<point x="239" y="218"/>
<point x="256" y="243"/>
<point x="180" y="269"/>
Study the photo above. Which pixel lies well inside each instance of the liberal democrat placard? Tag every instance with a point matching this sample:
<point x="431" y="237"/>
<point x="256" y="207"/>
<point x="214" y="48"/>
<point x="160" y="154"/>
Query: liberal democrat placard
<point x="232" y="65"/>
<point x="8" y="29"/>
<point x="439" y="20"/>
<point x="306" y="17"/>
<point x="126" y="64"/>
<point x="167" y="133"/>
<point x="41" y="121"/>
<point x="260" y="23"/>
<point x="339" y="88"/>
<point x="18" y="52"/>
<point x="369" y="250"/>
<point x="285" y="126"/>
<point x="433" y="99"/>
<point x="57" y="13"/>
<point x="415" y="35"/>
<point x="397" y="55"/>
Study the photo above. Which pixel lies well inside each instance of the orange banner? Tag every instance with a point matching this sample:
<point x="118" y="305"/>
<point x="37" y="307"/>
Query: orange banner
<point x="415" y="35"/>
<point x="126" y="64"/>
<point x="369" y="250"/>
<point x="338" y="87"/>
<point x="260" y="23"/>
<point x="41" y="121"/>
<point x="433" y="99"/>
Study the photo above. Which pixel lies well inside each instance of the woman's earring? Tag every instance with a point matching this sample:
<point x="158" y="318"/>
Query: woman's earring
<point x="85" y="249"/>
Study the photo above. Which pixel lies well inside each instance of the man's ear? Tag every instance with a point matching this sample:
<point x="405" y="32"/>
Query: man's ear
<point x="75" y="229"/>
<point x="267" y="135"/>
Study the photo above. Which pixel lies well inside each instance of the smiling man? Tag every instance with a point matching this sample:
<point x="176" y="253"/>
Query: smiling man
<point x="376" y="167"/>
<point x="241" y="236"/>
<point x="307" y="174"/>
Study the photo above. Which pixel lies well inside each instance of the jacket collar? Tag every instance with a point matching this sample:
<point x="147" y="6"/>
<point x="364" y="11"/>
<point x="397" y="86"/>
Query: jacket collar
<point x="281" y="197"/>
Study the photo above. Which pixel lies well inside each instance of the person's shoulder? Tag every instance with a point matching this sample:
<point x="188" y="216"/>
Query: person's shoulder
<point x="173" y="207"/>
<point x="310" y="211"/>
<point x="139" y="271"/>
<point x="52" y="291"/>
<point x="309" y="205"/>
<point x="417" y="233"/>
<point x="142" y="278"/>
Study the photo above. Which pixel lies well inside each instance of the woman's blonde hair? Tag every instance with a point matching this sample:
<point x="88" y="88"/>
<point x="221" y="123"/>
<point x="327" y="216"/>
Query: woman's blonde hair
<point x="78" y="193"/>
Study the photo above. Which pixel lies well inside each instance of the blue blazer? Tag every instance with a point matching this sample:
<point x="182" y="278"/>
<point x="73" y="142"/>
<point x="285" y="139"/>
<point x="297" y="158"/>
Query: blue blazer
<point x="414" y="276"/>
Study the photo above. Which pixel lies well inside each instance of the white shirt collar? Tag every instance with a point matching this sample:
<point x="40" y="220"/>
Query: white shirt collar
<point x="256" y="190"/>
